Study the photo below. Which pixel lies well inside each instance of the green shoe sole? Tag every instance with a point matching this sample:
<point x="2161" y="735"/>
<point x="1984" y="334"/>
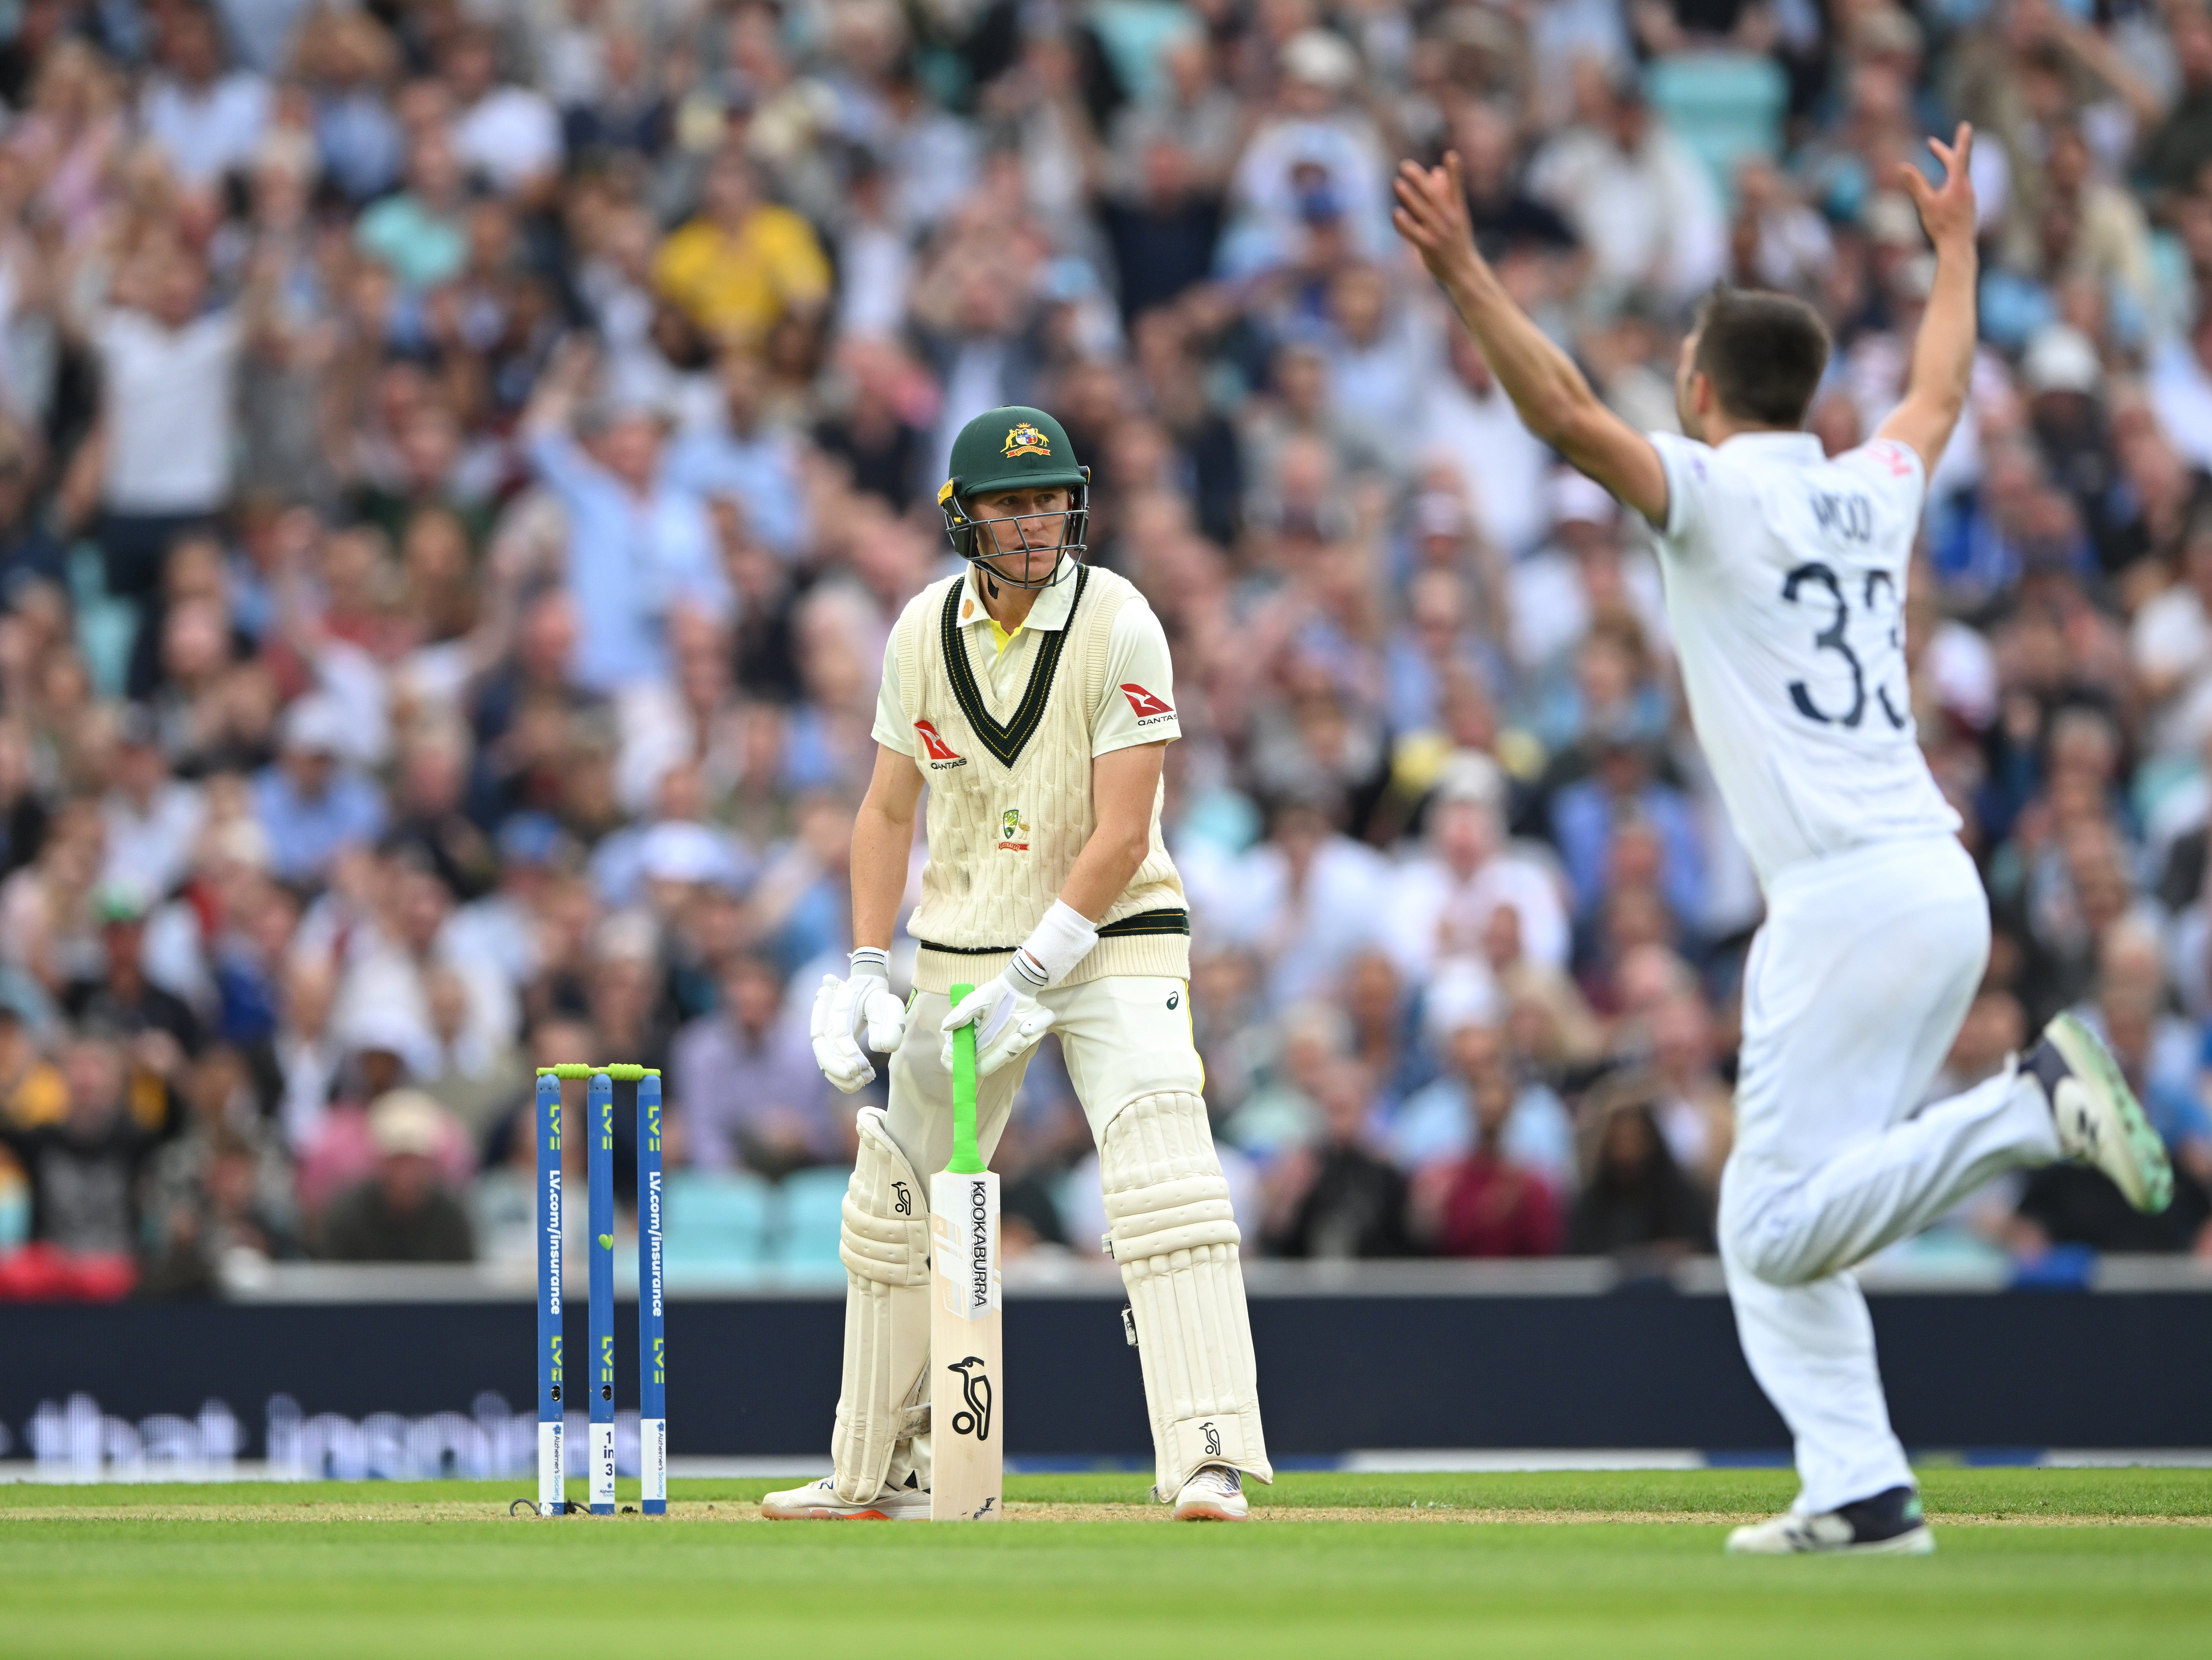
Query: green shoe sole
<point x="2143" y="1176"/>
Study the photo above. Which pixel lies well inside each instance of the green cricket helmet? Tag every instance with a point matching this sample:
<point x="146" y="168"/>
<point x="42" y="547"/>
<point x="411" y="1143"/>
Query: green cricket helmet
<point x="1013" y="447"/>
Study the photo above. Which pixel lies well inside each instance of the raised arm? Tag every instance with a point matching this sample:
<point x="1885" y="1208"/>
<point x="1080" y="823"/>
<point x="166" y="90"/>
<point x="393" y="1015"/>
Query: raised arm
<point x="1555" y="402"/>
<point x="560" y="389"/>
<point x="1944" y="354"/>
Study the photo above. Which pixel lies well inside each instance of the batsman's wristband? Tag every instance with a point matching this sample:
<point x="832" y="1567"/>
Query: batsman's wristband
<point x="1063" y="939"/>
<point x="871" y="961"/>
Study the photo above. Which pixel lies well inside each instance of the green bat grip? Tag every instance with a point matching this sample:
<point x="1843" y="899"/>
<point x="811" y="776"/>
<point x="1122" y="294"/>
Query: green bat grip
<point x="965" y="1160"/>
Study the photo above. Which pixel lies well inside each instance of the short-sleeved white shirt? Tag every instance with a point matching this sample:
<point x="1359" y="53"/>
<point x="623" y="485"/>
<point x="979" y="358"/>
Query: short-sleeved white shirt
<point x="1785" y="575"/>
<point x="169" y="392"/>
<point x="1139" y="704"/>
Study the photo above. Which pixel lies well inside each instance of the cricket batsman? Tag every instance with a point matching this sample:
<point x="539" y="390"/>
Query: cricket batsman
<point x="1033" y="695"/>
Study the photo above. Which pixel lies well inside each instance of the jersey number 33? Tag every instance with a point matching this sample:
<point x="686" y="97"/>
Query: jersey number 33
<point x="1848" y="602"/>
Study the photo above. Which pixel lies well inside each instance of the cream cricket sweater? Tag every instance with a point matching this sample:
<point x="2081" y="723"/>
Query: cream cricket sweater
<point x="1010" y="802"/>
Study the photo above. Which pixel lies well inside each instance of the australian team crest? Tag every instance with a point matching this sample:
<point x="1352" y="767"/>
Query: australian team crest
<point x="1013" y="831"/>
<point x="1025" y="439"/>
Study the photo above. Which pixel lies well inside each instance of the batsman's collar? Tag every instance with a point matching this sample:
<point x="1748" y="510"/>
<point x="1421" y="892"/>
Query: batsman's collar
<point x="1054" y="605"/>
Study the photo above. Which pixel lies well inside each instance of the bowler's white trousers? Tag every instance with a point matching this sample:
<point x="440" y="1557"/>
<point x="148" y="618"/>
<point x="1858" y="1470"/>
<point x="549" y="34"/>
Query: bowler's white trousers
<point x="1855" y="987"/>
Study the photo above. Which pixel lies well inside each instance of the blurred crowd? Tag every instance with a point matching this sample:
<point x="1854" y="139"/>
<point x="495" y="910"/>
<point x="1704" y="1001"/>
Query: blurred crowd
<point x="459" y="461"/>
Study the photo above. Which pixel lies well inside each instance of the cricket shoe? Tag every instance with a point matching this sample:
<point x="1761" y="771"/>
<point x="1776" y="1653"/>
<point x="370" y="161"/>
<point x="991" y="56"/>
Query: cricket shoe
<point x="818" y="1502"/>
<point x="1215" y="1493"/>
<point x="2100" y="1123"/>
<point x="1888" y="1524"/>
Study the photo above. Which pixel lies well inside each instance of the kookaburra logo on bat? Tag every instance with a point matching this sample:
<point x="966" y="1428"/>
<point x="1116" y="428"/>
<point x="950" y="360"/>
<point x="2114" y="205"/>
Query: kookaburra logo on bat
<point x="975" y="1390"/>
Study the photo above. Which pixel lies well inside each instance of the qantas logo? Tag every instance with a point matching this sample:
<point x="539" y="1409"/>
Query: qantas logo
<point x="941" y="754"/>
<point x="1148" y="708"/>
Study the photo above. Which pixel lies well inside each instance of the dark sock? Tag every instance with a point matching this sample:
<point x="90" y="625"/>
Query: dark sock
<point x="1888" y="1513"/>
<point x="2047" y="1066"/>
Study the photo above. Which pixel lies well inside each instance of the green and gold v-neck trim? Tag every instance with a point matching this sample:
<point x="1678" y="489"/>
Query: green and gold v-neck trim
<point x="1004" y="739"/>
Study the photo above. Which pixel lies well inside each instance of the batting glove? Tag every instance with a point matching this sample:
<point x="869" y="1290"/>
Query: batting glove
<point x="1007" y="1018"/>
<point x="843" y="1008"/>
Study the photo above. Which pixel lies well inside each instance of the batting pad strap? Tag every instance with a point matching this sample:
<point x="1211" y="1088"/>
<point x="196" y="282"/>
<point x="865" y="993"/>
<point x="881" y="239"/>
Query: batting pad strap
<point x="1217" y="1439"/>
<point x="1171" y="1216"/>
<point x="885" y="1236"/>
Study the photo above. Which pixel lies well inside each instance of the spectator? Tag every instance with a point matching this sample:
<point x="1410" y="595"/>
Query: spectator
<point x="32" y="1089"/>
<point x="2063" y="1205"/>
<point x="1378" y="356"/>
<point x="1442" y="900"/>
<point x="420" y="235"/>
<point x="1438" y="1123"/>
<point x="206" y="121"/>
<point x="2173" y="158"/>
<point x="440" y="679"/>
<point x="168" y="368"/>
<point x="1484" y="1204"/>
<point x="475" y="1076"/>
<point x="743" y="264"/>
<point x="511" y="134"/>
<point x="638" y="545"/>
<point x="2181" y="391"/>
<point x="398" y="952"/>
<point x="1635" y="1199"/>
<point x="738" y="456"/>
<point x="1317" y="153"/>
<point x="349" y="62"/>
<point x="1341" y="1198"/>
<point x="433" y="774"/>
<point x="152" y="819"/>
<point x="1469" y="421"/>
<point x="1305" y="900"/>
<point x="159" y="1026"/>
<point x="1639" y="200"/>
<point x="2171" y="643"/>
<point x="1164" y="230"/>
<point x="220" y="1194"/>
<point x="29" y="550"/>
<point x="1691" y="1105"/>
<point x="404" y="1212"/>
<point x="1558" y="591"/>
<point x="84" y="1168"/>
<point x="745" y="1076"/>
<point x="1617" y="803"/>
<point x="310" y="802"/>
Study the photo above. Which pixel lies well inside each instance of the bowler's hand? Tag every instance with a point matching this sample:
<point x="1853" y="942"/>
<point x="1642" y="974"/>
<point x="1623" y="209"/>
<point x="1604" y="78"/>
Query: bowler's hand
<point x="1431" y="215"/>
<point x="1948" y="213"/>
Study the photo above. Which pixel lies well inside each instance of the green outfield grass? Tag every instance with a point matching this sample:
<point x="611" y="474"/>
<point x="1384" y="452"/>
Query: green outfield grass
<point x="2036" y="1562"/>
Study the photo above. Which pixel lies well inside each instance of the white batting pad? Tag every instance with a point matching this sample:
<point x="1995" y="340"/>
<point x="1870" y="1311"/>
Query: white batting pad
<point x="1175" y="1238"/>
<point x="886" y="1248"/>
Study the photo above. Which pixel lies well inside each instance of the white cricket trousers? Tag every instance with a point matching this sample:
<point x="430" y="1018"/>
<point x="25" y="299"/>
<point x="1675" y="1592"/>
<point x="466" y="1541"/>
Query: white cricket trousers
<point x="1855" y="987"/>
<point x="1121" y="1036"/>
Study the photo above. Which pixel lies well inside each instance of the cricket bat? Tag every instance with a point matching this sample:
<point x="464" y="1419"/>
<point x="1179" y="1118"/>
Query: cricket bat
<point x="967" y="1439"/>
